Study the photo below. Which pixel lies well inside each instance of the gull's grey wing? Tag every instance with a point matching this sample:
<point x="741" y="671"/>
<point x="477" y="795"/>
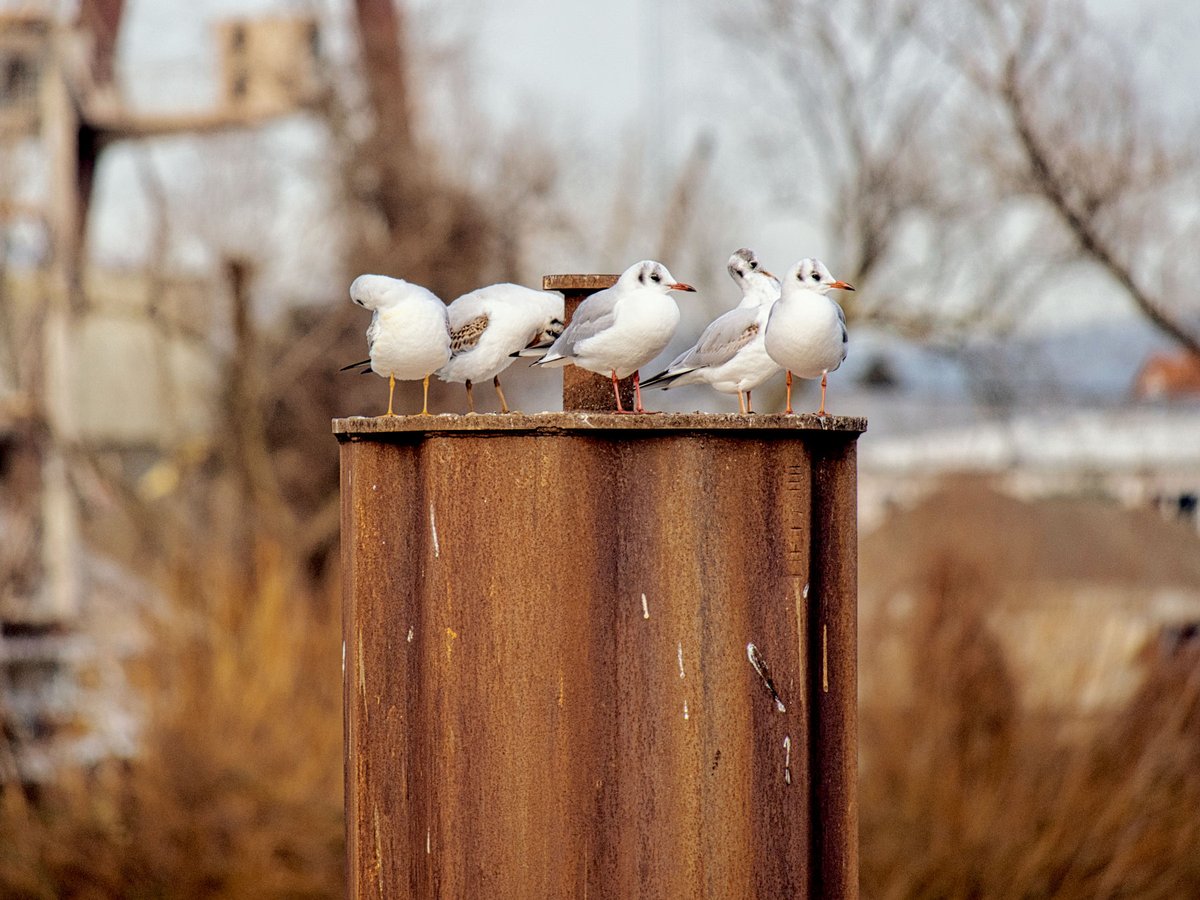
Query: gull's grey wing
<point x="594" y="315"/>
<point x="722" y="339"/>
<point x="468" y="334"/>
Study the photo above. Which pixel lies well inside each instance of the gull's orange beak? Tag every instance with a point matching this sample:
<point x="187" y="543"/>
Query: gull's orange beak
<point x="680" y="286"/>
<point x="768" y="274"/>
<point x="843" y="285"/>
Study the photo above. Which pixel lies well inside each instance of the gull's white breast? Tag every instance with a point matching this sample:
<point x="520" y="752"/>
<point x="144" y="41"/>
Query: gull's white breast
<point x="643" y="324"/>
<point x="805" y="334"/>
<point x="411" y="339"/>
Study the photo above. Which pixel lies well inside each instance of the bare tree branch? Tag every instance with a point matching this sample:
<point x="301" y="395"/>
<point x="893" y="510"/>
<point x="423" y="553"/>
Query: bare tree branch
<point x="1081" y="218"/>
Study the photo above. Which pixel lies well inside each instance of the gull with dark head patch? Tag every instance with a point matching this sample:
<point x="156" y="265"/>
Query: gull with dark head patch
<point x="730" y="354"/>
<point x="618" y="330"/>
<point x="806" y="332"/>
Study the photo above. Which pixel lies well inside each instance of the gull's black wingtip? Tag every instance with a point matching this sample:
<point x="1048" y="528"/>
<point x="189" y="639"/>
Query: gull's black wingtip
<point x="355" y="365"/>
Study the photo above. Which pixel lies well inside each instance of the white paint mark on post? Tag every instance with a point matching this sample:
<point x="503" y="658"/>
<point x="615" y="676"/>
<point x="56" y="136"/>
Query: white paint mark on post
<point x="645" y="608"/>
<point x="437" y="552"/>
<point x="804" y="593"/>
<point x="681" y="659"/>
<point x="760" y="666"/>
<point x="787" y="759"/>
<point x="685" y="711"/>
<point x="410" y="634"/>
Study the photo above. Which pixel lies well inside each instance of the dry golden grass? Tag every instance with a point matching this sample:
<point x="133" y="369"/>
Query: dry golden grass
<point x="965" y="795"/>
<point x="238" y="790"/>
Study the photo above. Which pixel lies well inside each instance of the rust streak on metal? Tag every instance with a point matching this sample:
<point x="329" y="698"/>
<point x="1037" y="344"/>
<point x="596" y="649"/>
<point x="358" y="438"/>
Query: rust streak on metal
<point x="825" y="658"/>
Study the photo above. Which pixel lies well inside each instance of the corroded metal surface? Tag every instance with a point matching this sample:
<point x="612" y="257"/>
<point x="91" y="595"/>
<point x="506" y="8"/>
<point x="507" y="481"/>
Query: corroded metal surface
<point x="584" y="390"/>
<point x="549" y="690"/>
<point x="568" y="422"/>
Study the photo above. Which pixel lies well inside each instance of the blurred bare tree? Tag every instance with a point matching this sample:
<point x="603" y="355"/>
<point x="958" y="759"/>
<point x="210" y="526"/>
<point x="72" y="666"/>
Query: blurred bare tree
<point x="1074" y="132"/>
<point x="963" y="156"/>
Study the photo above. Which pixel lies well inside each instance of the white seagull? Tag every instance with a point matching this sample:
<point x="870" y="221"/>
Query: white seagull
<point x="618" y="330"/>
<point x="491" y="325"/>
<point x="806" y="331"/>
<point x="730" y="354"/>
<point x="409" y="334"/>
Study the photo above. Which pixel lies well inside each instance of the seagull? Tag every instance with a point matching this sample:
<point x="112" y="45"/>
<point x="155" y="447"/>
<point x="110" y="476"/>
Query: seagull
<point x="730" y="355"/>
<point x="409" y="334"/>
<point x="620" y="329"/>
<point x="806" y="331"/>
<point x="491" y="325"/>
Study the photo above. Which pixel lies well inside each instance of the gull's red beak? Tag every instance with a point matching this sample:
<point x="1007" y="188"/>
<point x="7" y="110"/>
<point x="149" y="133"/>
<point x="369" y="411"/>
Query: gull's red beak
<point x="843" y="285"/>
<point x="680" y="286"/>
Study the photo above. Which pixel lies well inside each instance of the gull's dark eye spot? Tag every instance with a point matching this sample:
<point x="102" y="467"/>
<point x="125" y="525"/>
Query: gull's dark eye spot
<point x="753" y="264"/>
<point x="656" y="277"/>
<point x="816" y="276"/>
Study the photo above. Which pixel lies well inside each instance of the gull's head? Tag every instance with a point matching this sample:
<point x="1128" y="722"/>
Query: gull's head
<point x="380" y="291"/>
<point x="551" y="329"/>
<point x="368" y="291"/>
<point x="756" y="283"/>
<point x="652" y="275"/>
<point x="811" y="274"/>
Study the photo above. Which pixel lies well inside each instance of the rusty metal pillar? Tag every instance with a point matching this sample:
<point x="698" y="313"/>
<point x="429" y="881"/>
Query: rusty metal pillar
<point x="600" y="656"/>
<point x="583" y="390"/>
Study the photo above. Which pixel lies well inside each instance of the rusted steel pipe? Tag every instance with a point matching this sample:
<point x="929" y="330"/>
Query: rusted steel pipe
<point x="550" y="688"/>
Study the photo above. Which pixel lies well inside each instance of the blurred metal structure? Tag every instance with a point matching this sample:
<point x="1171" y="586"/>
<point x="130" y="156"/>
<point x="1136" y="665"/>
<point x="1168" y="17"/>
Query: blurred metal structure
<point x="24" y="49"/>
<point x="591" y="655"/>
<point x="60" y="103"/>
<point x="269" y="64"/>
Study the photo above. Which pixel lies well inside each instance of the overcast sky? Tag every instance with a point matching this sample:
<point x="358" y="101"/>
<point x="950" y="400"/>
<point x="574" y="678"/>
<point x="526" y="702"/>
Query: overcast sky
<point x="598" y="73"/>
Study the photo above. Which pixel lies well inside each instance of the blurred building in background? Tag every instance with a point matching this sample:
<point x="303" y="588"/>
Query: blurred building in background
<point x="94" y="362"/>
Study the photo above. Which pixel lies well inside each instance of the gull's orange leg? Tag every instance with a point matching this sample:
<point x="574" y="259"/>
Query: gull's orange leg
<point x="425" y="403"/>
<point x="470" y="399"/>
<point x="637" y="394"/>
<point x="500" y="393"/>
<point x="749" y="405"/>
<point x="741" y="403"/>
<point x="617" y="393"/>
<point x="788" y="411"/>
<point x="391" y="391"/>
<point x="824" y="381"/>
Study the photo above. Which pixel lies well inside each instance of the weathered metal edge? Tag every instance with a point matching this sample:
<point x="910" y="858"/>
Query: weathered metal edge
<point x="578" y="282"/>
<point x="560" y="422"/>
